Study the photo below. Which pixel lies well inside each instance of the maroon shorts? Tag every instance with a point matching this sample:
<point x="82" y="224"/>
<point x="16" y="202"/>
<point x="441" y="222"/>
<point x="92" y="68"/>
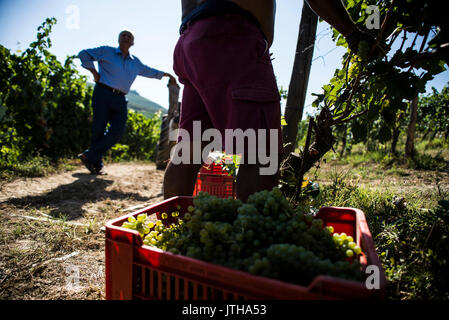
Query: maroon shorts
<point x="229" y="83"/>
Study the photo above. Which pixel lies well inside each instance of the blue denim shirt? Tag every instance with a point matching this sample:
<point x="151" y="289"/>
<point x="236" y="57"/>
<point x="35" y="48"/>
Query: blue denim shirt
<point x="116" y="71"/>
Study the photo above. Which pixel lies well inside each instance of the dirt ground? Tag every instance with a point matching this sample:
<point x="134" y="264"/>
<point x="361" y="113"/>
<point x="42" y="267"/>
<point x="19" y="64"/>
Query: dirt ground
<point x="51" y="237"/>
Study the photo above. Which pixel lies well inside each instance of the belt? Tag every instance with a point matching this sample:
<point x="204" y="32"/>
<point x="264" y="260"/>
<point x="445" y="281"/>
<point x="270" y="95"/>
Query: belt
<point x="213" y="8"/>
<point x="115" y="91"/>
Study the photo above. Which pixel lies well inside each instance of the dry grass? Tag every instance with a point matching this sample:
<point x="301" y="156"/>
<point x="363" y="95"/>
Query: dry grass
<point x="51" y="228"/>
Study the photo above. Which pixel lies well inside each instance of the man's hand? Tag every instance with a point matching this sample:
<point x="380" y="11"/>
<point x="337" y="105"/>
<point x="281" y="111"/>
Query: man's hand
<point x="172" y="78"/>
<point x="334" y="12"/>
<point x="96" y="77"/>
<point x="95" y="74"/>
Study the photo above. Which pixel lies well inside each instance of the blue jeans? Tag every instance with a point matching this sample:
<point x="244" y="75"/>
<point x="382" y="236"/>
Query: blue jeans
<point x="107" y="107"/>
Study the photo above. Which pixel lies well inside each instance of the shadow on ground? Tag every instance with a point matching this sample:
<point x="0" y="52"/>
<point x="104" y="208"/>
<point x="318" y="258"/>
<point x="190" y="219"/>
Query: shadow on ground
<point x="68" y="200"/>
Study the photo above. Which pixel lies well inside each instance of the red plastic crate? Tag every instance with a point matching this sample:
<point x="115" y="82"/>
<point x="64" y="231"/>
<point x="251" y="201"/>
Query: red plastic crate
<point x="218" y="185"/>
<point x="137" y="271"/>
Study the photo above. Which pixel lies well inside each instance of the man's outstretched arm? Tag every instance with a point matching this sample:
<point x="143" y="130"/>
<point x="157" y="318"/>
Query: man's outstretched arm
<point x="149" y="72"/>
<point x="334" y="13"/>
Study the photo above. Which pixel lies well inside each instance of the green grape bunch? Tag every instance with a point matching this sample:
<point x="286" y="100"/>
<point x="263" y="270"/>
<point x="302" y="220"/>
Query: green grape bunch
<point x="140" y="224"/>
<point x="264" y="236"/>
<point x="363" y="49"/>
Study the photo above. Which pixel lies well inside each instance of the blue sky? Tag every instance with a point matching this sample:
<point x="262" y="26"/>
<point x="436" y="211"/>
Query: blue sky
<point x="155" y="25"/>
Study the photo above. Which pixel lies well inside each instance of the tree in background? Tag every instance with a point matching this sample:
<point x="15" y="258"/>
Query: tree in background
<point x="46" y="102"/>
<point x="433" y="114"/>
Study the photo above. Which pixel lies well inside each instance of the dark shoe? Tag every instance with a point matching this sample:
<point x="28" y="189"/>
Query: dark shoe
<point x="99" y="171"/>
<point x="89" y="165"/>
<point x="99" y="168"/>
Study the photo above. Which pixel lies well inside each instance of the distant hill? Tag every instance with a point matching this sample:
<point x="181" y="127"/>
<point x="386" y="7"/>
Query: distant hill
<point x="141" y="104"/>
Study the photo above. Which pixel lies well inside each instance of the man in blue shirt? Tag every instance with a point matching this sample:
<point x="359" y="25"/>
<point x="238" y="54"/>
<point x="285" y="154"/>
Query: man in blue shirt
<point x="117" y="71"/>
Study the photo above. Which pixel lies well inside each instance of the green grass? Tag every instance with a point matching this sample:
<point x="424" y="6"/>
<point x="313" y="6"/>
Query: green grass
<point x="412" y="242"/>
<point x="36" y="167"/>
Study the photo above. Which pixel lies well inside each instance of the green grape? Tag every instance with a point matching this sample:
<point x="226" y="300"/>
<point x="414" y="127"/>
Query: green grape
<point x="357" y="250"/>
<point x="142" y="217"/>
<point x="309" y="218"/>
<point x="207" y="216"/>
<point x="187" y="216"/>
<point x="363" y="49"/>
<point x="239" y="237"/>
<point x="318" y="223"/>
<point x="178" y="207"/>
<point x="164" y="215"/>
<point x="349" y="253"/>
<point x="352" y="245"/>
<point x="350" y="239"/>
<point x="190" y="209"/>
<point x="127" y="225"/>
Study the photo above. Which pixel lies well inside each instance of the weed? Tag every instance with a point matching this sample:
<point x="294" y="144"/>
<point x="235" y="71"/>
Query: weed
<point x="18" y="231"/>
<point x="413" y="243"/>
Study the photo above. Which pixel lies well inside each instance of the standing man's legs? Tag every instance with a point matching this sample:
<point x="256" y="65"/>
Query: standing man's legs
<point x="107" y="107"/>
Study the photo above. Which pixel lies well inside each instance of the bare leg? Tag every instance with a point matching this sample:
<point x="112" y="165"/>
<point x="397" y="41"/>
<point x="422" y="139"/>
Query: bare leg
<point x="179" y="180"/>
<point x="249" y="181"/>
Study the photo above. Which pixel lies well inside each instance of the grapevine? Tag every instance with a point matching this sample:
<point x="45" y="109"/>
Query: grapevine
<point x="381" y="73"/>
